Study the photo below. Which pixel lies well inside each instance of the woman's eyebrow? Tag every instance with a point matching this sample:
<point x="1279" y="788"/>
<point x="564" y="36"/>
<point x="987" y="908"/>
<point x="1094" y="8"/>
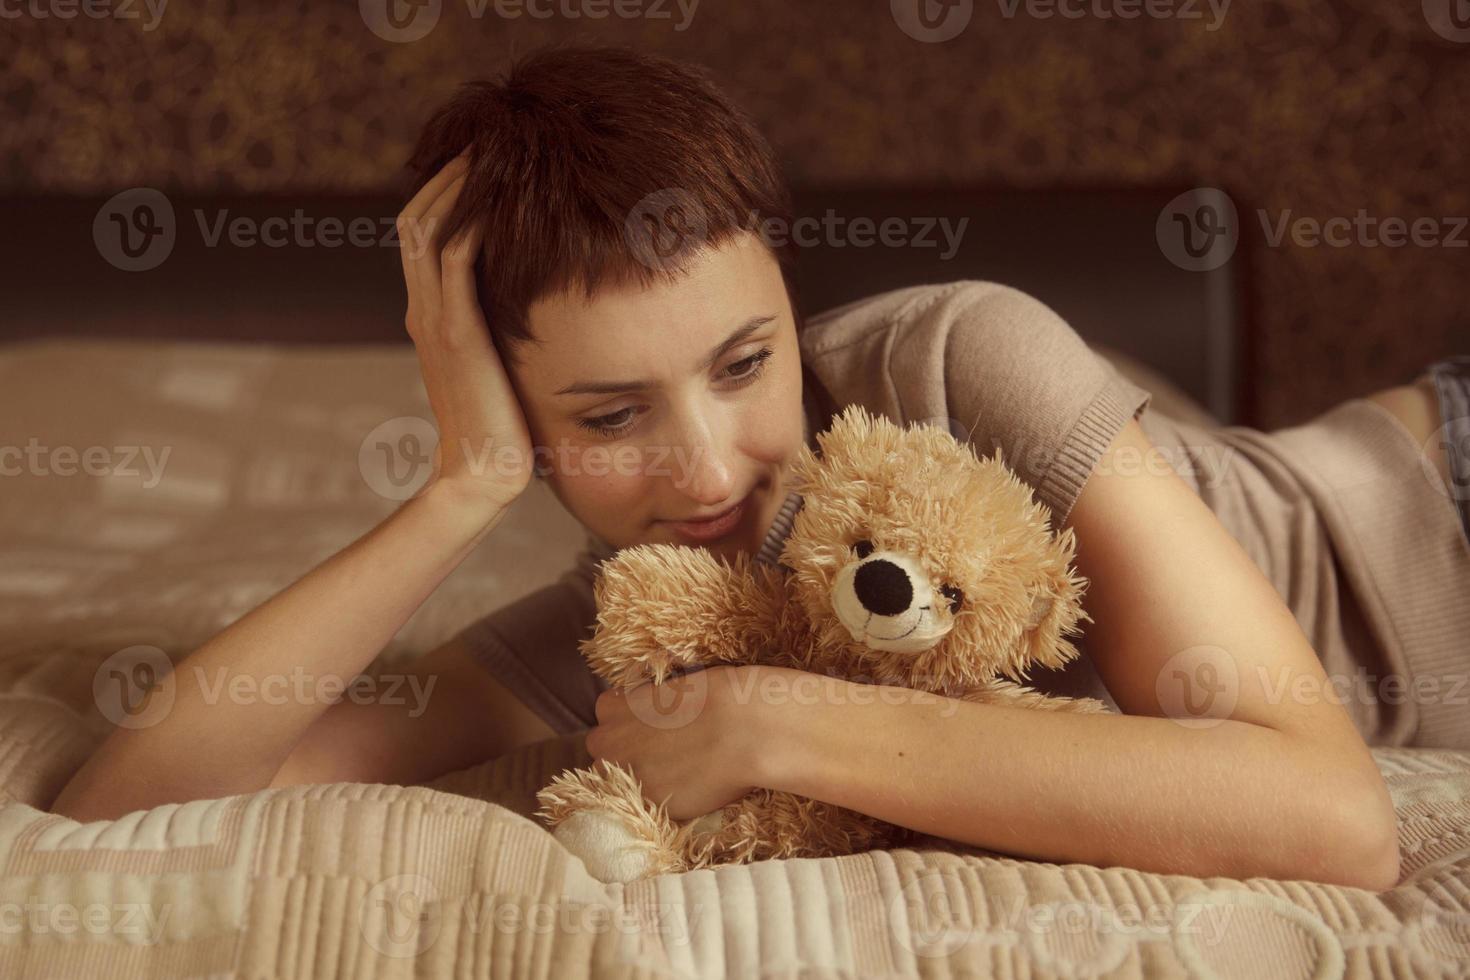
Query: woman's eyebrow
<point x="618" y="387"/>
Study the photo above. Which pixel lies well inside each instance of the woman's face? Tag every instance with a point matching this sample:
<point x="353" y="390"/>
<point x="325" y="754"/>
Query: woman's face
<point x="649" y="407"/>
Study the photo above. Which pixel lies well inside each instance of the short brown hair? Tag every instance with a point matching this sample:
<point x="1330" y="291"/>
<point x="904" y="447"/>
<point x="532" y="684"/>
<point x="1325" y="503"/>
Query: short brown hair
<point x="569" y="143"/>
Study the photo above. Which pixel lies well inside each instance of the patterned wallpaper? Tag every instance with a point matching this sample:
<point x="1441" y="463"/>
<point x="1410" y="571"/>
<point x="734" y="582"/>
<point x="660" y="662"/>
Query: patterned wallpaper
<point x="1303" y="110"/>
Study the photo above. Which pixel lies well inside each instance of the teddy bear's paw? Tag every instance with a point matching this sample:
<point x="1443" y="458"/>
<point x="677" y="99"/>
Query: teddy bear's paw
<point x="1088" y="706"/>
<point x="609" y="848"/>
<point x="710" y="823"/>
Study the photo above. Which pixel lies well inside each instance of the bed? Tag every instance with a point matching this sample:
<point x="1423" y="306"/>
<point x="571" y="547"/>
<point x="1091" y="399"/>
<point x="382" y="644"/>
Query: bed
<point x="108" y="561"/>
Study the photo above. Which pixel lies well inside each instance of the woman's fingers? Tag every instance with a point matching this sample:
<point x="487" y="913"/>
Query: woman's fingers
<point x="415" y="226"/>
<point x="462" y="314"/>
<point x="420" y="202"/>
<point x="414" y="229"/>
<point x="424" y="265"/>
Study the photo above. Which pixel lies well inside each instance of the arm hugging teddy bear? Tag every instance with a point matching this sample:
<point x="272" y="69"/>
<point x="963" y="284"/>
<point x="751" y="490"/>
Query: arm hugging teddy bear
<point x="912" y="563"/>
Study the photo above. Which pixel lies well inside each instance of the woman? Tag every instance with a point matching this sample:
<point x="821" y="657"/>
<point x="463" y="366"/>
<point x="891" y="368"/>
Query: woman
<point x="603" y="303"/>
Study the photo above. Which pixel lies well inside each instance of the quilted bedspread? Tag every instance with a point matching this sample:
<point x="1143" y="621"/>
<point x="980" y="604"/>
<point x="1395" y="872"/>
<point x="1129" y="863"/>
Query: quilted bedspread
<point x="158" y="491"/>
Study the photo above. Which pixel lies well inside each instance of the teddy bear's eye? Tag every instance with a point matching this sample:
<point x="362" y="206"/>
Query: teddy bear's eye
<point x="864" y="548"/>
<point x="955" y="596"/>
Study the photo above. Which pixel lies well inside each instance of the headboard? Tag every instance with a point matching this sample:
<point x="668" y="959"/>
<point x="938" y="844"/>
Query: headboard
<point x="324" y="268"/>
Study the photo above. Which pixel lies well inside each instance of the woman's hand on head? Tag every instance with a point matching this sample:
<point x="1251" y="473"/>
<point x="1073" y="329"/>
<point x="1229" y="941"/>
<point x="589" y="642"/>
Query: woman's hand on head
<point x="484" y="450"/>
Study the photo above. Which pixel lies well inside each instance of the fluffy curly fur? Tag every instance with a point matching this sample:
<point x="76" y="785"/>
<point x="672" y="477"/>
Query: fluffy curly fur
<point x="896" y="525"/>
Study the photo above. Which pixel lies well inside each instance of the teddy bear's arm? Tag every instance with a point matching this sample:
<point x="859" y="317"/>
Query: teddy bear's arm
<point x="663" y="609"/>
<point x="999" y="690"/>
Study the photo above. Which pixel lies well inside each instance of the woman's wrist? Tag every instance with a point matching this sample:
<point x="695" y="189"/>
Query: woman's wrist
<point x="784" y="721"/>
<point x="470" y="509"/>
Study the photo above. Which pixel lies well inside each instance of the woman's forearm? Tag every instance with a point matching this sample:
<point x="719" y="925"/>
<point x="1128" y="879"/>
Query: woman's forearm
<point x="1232" y="799"/>
<point x="321" y="631"/>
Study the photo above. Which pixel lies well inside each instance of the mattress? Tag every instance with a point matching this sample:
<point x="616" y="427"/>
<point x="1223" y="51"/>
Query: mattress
<point x="157" y="491"/>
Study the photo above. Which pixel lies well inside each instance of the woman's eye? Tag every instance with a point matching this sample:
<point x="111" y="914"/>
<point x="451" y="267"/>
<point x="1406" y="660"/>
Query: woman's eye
<point x="742" y="372"/>
<point x="864" y="548"/>
<point x="955" y="596"/>
<point x="750" y="368"/>
<point x="609" y="425"/>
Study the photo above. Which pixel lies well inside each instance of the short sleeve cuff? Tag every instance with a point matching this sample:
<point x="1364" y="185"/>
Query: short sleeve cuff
<point x="1117" y="402"/>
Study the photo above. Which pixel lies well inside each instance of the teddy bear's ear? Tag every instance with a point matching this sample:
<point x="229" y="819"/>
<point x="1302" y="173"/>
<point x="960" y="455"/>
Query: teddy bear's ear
<point x="1054" y="615"/>
<point x="1041" y="606"/>
<point x="805" y="470"/>
<point x="1056" y="609"/>
<point x="851" y="442"/>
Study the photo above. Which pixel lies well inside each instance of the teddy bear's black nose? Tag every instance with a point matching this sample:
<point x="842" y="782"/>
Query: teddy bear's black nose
<point x="883" y="588"/>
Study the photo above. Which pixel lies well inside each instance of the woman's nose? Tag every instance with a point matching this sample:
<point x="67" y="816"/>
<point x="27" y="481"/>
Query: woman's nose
<point x="706" y="475"/>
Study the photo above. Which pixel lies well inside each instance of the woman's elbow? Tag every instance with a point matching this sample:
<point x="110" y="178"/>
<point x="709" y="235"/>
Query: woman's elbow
<point x="1380" y="861"/>
<point x="1361" y="847"/>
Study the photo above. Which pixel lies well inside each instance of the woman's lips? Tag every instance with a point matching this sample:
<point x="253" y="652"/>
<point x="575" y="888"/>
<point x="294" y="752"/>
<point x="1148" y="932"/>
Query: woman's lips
<point x="712" y="529"/>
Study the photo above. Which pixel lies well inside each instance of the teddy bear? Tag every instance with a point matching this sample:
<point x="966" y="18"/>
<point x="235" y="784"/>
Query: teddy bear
<point x="912" y="562"/>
